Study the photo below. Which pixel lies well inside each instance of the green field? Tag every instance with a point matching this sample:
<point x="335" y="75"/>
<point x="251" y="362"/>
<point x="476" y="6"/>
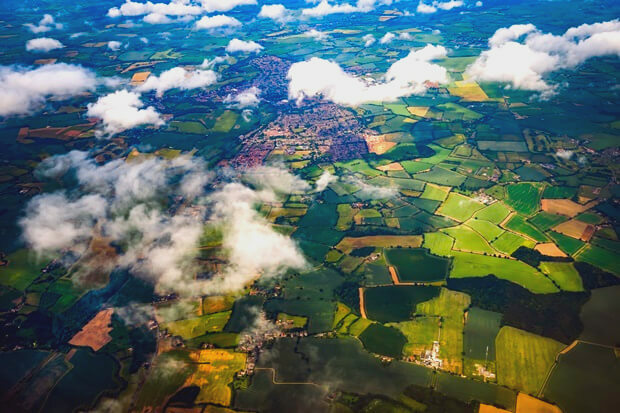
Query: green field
<point x="434" y="192"/>
<point x="523" y="359"/>
<point x="416" y="264"/>
<point x="517" y="223"/>
<point x="440" y="176"/>
<point x="476" y="265"/>
<point x="395" y="303"/>
<point x="600" y="257"/>
<point x="485" y="228"/>
<point x="198" y="326"/>
<point x="598" y="314"/>
<point x="585" y="380"/>
<point x="567" y="244"/>
<point x="481" y="328"/>
<point x="459" y="207"/>
<point x="544" y="220"/>
<point x="468" y="240"/>
<point x="387" y="341"/>
<point x="564" y="274"/>
<point x="524" y="198"/>
<point x="494" y="213"/>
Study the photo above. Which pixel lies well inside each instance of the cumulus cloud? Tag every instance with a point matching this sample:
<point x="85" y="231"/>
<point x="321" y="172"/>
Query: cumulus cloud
<point x="46" y="24"/>
<point x="369" y="40"/>
<point x="254" y="248"/>
<point x="236" y="45"/>
<point x="315" y="34"/>
<point x="425" y="8"/>
<point x="387" y="38"/>
<point x="122" y="110"/>
<point x="224" y="5"/>
<point x="114" y="45"/>
<point x="173" y="8"/>
<point x="214" y="22"/>
<point x="245" y="99"/>
<point x="324" y="180"/>
<point x="325" y="8"/>
<point x="155" y="209"/>
<point x="157" y="18"/>
<point x="43" y="44"/>
<point x="178" y="78"/>
<point x="275" y="12"/>
<point x="323" y="78"/>
<point x="523" y="56"/>
<point x="121" y="202"/>
<point x="212" y="63"/>
<point x="22" y="90"/>
<point x="276" y="179"/>
<point x="368" y="191"/>
<point x="564" y="154"/>
<point x="405" y="36"/>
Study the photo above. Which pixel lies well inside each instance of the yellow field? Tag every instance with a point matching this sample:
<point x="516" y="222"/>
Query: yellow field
<point x="529" y="404"/>
<point x="420" y="111"/>
<point x="563" y="207"/>
<point x="96" y="333"/>
<point x="348" y="244"/>
<point x="487" y="408"/>
<point x="394" y="166"/>
<point x="550" y="249"/>
<point x="523" y="359"/>
<point x="576" y="229"/>
<point x="215" y="371"/>
<point x="468" y="91"/>
<point x="216" y="303"/>
<point x="377" y="144"/>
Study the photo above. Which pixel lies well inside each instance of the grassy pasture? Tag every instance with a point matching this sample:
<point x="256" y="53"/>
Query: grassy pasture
<point x="494" y="213"/>
<point x="417" y="264"/>
<point x="396" y="302"/>
<point x="600" y="257"/>
<point x="420" y="333"/>
<point x="485" y="228"/>
<point x="567" y="244"/>
<point x="585" y="380"/>
<point x="564" y="274"/>
<point x="477" y="265"/>
<point x="198" y="326"/>
<point x="459" y="207"/>
<point x="380" y="339"/>
<point x="517" y="223"/>
<point x="435" y="192"/>
<point x="480" y="330"/>
<point x="438" y="243"/>
<point x="524" y="198"/>
<point x="468" y="240"/>
<point x="523" y="359"/>
<point x="544" y="220"/>
<point x="440" y="176"/>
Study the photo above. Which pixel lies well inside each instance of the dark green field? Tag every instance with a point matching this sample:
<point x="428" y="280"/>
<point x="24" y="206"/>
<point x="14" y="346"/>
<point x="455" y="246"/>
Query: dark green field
<point x="417" y="264"/>
<point x="396" y="303"/>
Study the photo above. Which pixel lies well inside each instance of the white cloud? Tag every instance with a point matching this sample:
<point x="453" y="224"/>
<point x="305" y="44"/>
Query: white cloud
<point x="425" y="8"/>
<point x="245" y="99"/>
<point x="43" y="44"/>
<point x="435" y="5"/>
<point x="53" y="222"/>
<point x="322" y="78"/>
<point x="114" y="45"/>
<point x="564" y="154"/>
<point x="46" y="24"/>
<point x="173" y="8"/>
<point x="478" y="3"/>
<point x="387" y="38"/>
<point x="315" y="34"/>
<point x="122" y="110"/>
<point x="275" y="12"/>
<point x="448" y="5"/>
<point x="178" y="78"/>
<point x="369" y="40"/>
<point x="405" y="36"/>
<point x="368" y="191"/>
<point x="22" y="90"/>
<point x="254" y="248"/>
<point x="236" y="45"/>
<point x="157" y="18"/>
<point x="276" y="179"/>
<point x="325" y="8"/>
<point x="523" y="56"/>
<point x="324" y="180"/>
<point x="216" y="21"/>
<point x="224" y="5"/>
<point x="212" y="63"/>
